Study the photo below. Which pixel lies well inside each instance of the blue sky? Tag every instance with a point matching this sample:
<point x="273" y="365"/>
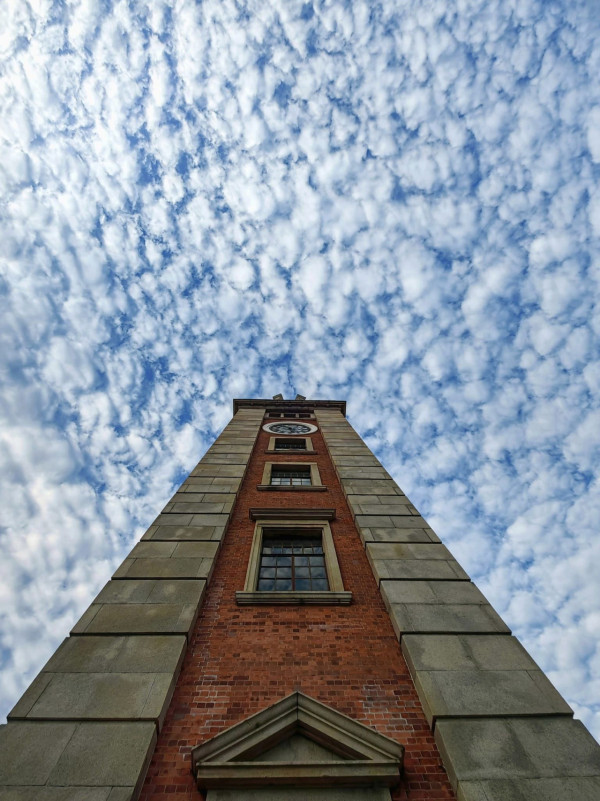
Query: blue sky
<point x="392" y="203"/>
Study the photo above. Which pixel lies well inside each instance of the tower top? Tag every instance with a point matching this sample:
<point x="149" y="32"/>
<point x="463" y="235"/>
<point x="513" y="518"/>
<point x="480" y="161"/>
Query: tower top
<point x="292" y="405"/>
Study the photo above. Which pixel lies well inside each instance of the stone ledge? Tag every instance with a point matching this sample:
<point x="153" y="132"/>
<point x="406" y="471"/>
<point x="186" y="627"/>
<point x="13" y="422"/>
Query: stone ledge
<point x="279" y="488"/>
<point x="294" y="598"/>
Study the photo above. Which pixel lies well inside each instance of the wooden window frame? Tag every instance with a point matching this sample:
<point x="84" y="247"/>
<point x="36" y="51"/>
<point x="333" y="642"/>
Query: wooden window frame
<point x="334" y="595"/>
<point x="315" y="477"/>
<point x="308" y="445"/>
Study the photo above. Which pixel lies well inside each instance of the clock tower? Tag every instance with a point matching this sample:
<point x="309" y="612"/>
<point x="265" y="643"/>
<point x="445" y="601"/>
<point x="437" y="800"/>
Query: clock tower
<point x="290" y="627"/>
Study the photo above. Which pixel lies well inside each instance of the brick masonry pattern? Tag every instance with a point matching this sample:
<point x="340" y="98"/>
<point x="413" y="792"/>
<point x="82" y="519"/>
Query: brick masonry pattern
<point x="242" y="659"/>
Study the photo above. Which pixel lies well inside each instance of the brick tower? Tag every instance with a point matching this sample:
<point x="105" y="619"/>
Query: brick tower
<point x="290" y="627"/>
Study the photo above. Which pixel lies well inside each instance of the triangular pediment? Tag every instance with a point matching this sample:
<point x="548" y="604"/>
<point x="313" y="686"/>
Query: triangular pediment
<point x="298" y="741"/>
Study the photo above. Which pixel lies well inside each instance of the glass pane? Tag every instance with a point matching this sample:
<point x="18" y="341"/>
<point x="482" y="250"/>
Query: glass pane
<point x="303" y="584"/>
<point x="316" y="561"/>
<point x="284" y="561"/>
<point x="301" y="561"/>
<point x="318" y="572"/>
<point x="284" y="572"/>
<point x="267" y="572"/>
<point x="302" y="572"/>
<point x="265" y="584"/>
<point x="320" y="584"/>
<point x="268" y="561"/>
<point x="283" y="585"/>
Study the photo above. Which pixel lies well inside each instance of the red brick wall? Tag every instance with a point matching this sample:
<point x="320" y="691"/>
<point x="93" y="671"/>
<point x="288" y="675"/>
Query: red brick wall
<point x="243" y="658"/>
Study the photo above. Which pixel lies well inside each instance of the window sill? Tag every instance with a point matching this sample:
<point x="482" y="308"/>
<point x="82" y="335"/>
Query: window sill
<point x="279" y="487"/>
<point x="323" y="598"/>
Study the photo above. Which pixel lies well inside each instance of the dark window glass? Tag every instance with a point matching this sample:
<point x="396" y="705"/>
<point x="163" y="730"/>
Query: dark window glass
<point x="289" y="562"/>
<point x="290" y="445"/>
<point x="287" y="477"/>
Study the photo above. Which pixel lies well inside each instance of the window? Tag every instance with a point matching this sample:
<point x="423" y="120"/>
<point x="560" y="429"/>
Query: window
<point x="290" y="444"/>
<point x="294" y="444"/>
<point x="289" y="562"/>
<point x="287" y="477"/>
<point x="293" y="561"/>
<point x="289" y="415"/>
<point x="291" y="476"/>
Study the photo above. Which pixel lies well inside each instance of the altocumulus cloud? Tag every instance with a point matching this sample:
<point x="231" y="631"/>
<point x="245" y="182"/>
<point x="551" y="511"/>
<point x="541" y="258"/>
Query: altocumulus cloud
<point x="396" y="205"/>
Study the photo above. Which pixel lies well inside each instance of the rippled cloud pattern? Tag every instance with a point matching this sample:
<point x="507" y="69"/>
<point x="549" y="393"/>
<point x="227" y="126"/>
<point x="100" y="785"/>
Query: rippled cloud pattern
<point x="396" y="204"/>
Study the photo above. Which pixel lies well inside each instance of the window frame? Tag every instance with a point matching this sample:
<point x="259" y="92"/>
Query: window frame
<point x="308" y="445"/>
<point x="315" y="477"/>
<point x="303" y="471"/>
<point x="334" y="595"/>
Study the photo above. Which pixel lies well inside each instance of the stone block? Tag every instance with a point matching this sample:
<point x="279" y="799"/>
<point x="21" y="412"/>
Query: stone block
<point x="565" y="789"/>
<point x="201" y="508"/>
<point x="210" y="520"/>
<point x="203" y="497"/>
<point x="348" y="449"/>
<point x="362" y="472"/>
<point x="148" y="654"/>
<point x="437" y="593"/>
<point x="391" y="501"/>
<point x="233" y="445"/>
<point x="466" y="652"/>
<point x="105" y="754"/>
<point x="424" y="535"/>
<point x="213" y="470"/>
<point x="414" y="565"/>
<point x="486" y="693"/>
<point x="64" y="794"/>
<point x="174" y="550"/>
<point x="212" y="484"/>
<point x="151" y="591"/>
<point x="417" y="569"/>
<point x="167" y="568"/>
<point x="145" y="618"/>
<point x="364" y="509"/>
<point x="407" y="550"/>
<point x="173" y="520"/>
<point x="30" y="751"/>
<point x="169" y="560"/>
<point x="460" y="618"/>
<point x="224" y="459"/>
<point x="357" y="461"/>
<point x="98" y="696"/>
<point x="516" y="748"/>
<point x="184" y="533"/>
<point x="439" y="607"/>
<point x="372" y="487"/>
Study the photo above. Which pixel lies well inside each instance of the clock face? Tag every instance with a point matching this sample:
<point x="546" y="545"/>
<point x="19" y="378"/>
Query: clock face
<point x="290" y="428"/>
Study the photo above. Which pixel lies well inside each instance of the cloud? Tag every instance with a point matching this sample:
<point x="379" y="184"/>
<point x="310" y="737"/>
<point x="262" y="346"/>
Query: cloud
<point x="393" y="205"/>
